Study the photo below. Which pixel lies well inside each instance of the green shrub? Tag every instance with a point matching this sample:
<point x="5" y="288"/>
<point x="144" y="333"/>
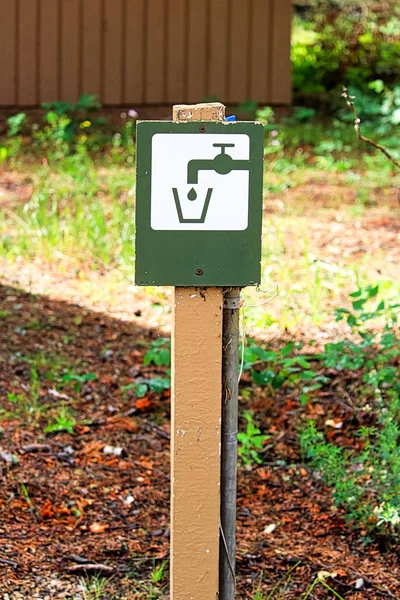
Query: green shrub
<point x="365" y="480"/>
<point x="347" y="43"/>
<point x="68" y="129"/>
<point x="364" y="470"/>
<point x="276" y="369"/>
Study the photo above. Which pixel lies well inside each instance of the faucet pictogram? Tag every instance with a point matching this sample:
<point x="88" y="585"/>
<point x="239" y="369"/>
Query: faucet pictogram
<point x="222" y="164"/>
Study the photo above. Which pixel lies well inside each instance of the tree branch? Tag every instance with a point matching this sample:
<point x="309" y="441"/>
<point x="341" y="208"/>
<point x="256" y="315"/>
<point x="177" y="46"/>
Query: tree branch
<point x="357" y="122"/>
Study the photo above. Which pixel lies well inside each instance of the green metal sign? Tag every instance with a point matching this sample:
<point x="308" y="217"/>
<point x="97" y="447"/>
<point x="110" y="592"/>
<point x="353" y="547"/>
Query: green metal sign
<point x="199" y="203"/>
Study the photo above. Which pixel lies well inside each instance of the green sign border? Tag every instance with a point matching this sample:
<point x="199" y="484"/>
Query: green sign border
<point x="198" y="258"/>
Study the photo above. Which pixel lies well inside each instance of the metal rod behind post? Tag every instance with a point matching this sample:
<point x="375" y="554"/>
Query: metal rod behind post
<point x="230" y="394"/>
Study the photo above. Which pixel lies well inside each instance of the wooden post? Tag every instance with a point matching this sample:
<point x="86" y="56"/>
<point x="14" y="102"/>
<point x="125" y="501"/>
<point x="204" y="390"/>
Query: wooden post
<point x="196" y="425"/>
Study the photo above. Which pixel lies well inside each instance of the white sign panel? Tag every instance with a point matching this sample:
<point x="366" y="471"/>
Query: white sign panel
<point x="200" y="182"/>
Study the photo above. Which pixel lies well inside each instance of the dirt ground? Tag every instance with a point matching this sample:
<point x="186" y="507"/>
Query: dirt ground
<point x="66" y="504"/>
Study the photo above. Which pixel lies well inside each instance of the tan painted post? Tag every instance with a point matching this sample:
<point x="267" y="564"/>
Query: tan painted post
<point x="196" y="425"/>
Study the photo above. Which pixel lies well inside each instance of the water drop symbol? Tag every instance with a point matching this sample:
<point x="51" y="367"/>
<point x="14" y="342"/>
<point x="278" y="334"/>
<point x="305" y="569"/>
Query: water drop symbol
<point x="192" y="195"/>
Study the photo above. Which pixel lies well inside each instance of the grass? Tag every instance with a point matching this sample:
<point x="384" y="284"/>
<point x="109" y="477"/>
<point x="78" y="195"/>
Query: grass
<point x="99" y="588"/>
<point x="85" y="213"/>
<point x="94" y="588"/>
<point x="26" y="405"/>
<point x="81" y="217"/>
<point x="279" y="590"/>
<point x="315" y="249"/>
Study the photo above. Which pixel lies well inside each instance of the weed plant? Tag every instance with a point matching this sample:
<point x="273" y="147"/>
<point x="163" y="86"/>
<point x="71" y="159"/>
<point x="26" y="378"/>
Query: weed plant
<point x="63" y="421"/>
<point x="251" y="442"/>
<point x="365" y="478"/>
<point x="26" y="405"/>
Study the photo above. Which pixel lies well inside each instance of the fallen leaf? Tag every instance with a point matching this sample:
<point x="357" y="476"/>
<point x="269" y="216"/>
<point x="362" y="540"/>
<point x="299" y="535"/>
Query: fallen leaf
<point x="334" y="424"/>
<point x="146" y="463"/>
<point x="56" y="394"/>
<point x="81" y="429"/>
<point x="142" y="403"/>
<point x="126" y="423"/>
<point x="341" y="572"/>
<point x="326" y="574"/>
<point x="47" y="510"/>
<point x="93" y="447"/>
<point x="98" y="527"/>
<point x="113" y="450"/>
<point x="269" y="529"/>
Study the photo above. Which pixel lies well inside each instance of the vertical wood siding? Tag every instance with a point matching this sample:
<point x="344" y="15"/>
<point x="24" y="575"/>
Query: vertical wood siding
<point x="8" y="52"/>
<point x="49" y="27"/>
<point x="92" y="40"/>
<point x="133" y="52"/>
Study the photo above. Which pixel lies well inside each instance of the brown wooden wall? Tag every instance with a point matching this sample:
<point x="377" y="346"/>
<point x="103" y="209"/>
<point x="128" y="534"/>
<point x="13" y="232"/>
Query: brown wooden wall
<point x="136" y="52"/>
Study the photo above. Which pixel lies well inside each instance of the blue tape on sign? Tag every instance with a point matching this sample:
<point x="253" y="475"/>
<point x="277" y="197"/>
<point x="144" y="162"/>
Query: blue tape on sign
<point x="231" y="118"/>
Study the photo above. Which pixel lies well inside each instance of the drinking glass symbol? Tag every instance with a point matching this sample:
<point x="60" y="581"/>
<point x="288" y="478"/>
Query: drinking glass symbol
<point x="192" y="195"/>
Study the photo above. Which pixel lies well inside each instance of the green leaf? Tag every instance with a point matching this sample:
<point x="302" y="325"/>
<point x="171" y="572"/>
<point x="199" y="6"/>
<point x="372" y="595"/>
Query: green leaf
<point x="165" y="357"/>
<point x="129" y="386"/>
<point x="373" y="291"/>
<point x="141" y="390"/>
<point x="148" y="358"/>
<point x="159" y="384"/>
<point x="89" y="377"/>
<point x="259" y="440"/>
<point x="303" y="362"/>
<point x="303" y="398"/>
<point x="340" y="312"/>
<point x="255" y="457"/>
<point x="378" y="86"/>
<point x="359" y="304"/>
<point x="263" y="378"/>
<point x="351" y="320"/>
<point x="287" y="349"/>
<point x="278" y="381"/>
<point x="59" y="427"/>
<point x="389" y="340"/>
<point x="308" y="375"/>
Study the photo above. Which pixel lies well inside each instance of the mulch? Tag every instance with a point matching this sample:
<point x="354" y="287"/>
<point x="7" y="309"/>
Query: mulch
<point x="69" y="510"/>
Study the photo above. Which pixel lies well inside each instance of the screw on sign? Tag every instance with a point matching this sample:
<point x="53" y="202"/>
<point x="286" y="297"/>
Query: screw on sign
<point x="198" y="228"/>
